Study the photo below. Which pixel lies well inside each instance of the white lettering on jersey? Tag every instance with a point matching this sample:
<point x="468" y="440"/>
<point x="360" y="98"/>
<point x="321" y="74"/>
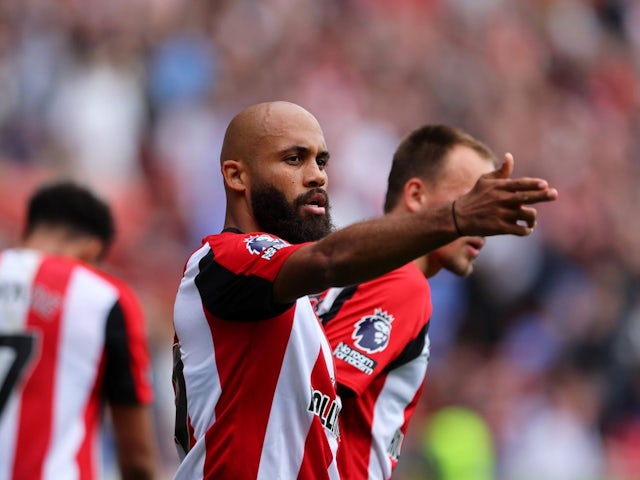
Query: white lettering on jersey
<point x="353" y="357"/>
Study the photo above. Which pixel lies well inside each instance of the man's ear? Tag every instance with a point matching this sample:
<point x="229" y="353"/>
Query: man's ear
<point x="414" y="194"/>
<point x="234" y="174"/>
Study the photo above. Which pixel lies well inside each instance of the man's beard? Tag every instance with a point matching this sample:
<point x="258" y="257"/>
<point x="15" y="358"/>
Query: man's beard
<point x="275" y="215"/>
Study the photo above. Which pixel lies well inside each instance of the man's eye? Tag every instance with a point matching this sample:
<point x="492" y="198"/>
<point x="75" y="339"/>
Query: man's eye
<point x="293" y="158"/>
<point x="321" y="162"/>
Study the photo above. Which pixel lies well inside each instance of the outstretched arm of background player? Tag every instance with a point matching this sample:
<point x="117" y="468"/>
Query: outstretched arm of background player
<point x="497" y="204"/>
<point x="135" y="441"/>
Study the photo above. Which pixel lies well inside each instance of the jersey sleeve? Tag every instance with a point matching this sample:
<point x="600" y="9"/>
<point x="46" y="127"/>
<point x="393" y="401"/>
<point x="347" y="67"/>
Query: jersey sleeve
<point x="235" y="278"/>
<point x="377" y="326"/>
<point x="127" y="370"/>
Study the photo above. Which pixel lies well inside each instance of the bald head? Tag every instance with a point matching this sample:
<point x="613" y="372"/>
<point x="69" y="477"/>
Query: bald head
<point x="273" y="162"/>
<point x="263" y="122"/>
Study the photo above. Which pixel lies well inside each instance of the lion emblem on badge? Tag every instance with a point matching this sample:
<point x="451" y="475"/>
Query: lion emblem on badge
<point x="371" y="333"/>
<point x="264" y="245"/>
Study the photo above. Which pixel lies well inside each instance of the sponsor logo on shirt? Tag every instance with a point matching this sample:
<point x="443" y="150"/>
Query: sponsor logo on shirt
<point x="45" y="301"/>
<point x="326" y="409"/>
<point x="353" y="357"/>
<point x="371" y="333"/>
<point x="395" y="445"/>
<point x="13" y="292"/>
<point x="264" y="245"/>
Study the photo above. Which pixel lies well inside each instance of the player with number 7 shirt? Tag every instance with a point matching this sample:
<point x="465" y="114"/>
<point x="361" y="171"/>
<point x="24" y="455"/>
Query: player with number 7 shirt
<point x="72" y="338"/>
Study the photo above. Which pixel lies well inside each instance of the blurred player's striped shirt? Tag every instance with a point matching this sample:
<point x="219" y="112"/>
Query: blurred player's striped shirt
<point x="378" y="331"/>
<point x="70" y="338"/>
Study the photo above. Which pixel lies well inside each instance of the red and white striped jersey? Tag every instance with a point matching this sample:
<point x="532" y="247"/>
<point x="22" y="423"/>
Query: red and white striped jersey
<point x="378" y="333"/>
<point x="70" y="338"/>
<point x="254" y="380"/>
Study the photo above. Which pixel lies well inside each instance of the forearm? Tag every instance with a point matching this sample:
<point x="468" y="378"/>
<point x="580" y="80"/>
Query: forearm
<point x="365" y="250"/>
<point x="496" y="205"/>
<point x="141" y="471"/>
<point x="135" y="441"/>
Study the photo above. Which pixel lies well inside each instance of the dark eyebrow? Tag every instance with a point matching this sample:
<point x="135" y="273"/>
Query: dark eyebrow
<point x="324" y="155"/>
<point x="304" y="151"/>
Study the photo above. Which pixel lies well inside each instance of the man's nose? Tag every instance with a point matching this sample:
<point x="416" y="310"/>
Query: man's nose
<point x="315" y="176"/>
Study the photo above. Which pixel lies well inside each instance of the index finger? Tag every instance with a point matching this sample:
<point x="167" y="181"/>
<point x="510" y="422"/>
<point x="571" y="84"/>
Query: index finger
<point x="522" y="197"/>
<point x="524" y="183"/>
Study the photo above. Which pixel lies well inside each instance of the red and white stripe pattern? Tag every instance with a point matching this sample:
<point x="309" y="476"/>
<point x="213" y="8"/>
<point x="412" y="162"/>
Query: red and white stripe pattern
<point x="49" y="426"/>
<point x="259" y="390"/>
<point x="384" y="380"/>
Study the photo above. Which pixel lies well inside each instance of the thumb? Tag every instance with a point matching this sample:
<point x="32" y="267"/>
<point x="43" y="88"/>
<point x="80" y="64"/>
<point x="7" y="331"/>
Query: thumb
<point x="505" y="170"/>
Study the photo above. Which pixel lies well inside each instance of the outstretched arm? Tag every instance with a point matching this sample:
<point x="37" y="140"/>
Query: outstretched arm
<point x="496" y="205"/>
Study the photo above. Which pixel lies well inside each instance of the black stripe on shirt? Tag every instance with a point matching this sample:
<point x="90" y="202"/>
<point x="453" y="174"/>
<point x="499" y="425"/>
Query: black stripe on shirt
<point x="181" y="426"/>
<point x="119" y="385"/>
<point x="230" y="296"/>
<point x="343" y="296"/>
<point x="412" y="350"/>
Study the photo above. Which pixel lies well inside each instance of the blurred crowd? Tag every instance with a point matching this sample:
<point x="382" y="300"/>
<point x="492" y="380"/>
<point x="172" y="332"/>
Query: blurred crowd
<point x="535" y="366"/>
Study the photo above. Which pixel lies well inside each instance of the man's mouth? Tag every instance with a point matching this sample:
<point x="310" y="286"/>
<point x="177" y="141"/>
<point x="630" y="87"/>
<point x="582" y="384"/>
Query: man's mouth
<point x="475" y="244"/>
<point x="315" y="203"/>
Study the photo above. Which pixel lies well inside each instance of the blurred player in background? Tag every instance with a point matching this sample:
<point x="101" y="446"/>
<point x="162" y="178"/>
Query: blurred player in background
<point x="378" y="329"/>
<point x="71" y="339"/>
<point x="253" y="373"/>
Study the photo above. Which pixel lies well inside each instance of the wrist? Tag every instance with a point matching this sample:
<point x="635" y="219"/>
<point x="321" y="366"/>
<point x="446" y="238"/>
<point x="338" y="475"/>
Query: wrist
<point x="454" y="217"/>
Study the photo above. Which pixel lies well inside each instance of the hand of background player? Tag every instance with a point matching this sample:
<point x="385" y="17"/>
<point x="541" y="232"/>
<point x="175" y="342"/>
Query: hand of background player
<point x="498" y="204"/>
